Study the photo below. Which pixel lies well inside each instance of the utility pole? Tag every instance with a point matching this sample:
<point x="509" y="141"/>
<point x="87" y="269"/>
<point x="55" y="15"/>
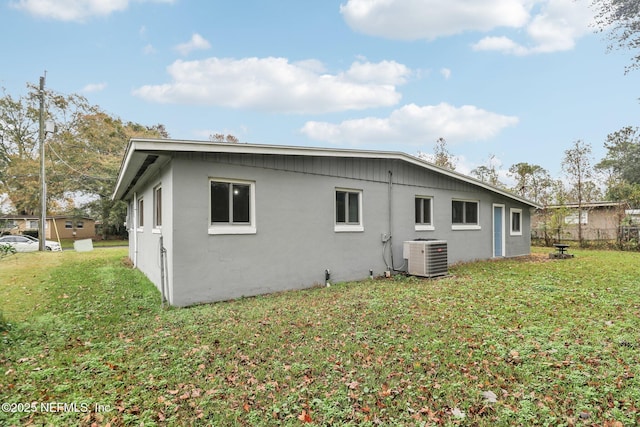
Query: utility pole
<point x="43" y="183"/>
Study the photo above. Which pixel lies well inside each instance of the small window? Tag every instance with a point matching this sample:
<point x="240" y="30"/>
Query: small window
<point x="464" y="215"/>
<point x="68" y="224"/>
<point x="516" y="222"/>
<point x="348" y="206"/>
<point x="157" y="207"/>
<point x="423" y="213"/>
<point x="572" y="218"/>
<point x="79" y="224"/>
<point x="232" y="207"/>
<point x="140" y="213"/>
<point x="32" y="225"/>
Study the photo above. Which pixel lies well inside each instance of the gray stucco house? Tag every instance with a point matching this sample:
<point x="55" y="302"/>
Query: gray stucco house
<point x="215" y="221"/>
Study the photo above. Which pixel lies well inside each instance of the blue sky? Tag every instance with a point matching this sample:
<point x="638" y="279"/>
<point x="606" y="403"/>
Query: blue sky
<point x="516" y="79"/>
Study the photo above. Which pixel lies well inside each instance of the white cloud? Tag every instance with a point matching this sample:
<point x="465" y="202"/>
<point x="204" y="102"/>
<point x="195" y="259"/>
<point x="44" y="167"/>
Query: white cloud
<point x="74" y="10"/>
<point x="385" y="72"/>
<point x="501" y="44"/>
<point x="555" y="28"/>
<point x="275" y="84"/>
<point x="548" y="25"/>
<point x="197" y="42"/>
<point x="94" y="87"/>
<point x="413" y="124"/>
<point x="446" y="73"/>
<point x="149" y="49"/>
<point x="429" y="19"/>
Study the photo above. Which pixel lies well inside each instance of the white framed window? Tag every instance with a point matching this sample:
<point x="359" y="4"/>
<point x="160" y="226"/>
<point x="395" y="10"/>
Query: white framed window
<point x="157" y="208"/>
<point x="32" y="224"/>
<point x="572" y="218"/>
<point x="348" y="210"/>
<point x="68" y="224"/>
<point x="516" y="222"/>
<point x="465" y="214"/>
<point x="424" y="213"/>
<point x="140" y="214"/>
<point x="232" y="206"/>
<point x="79" y="224"/>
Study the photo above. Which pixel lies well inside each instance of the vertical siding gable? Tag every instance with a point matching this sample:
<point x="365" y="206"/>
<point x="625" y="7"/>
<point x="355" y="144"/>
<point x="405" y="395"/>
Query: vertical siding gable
<point x="375" y="170"/>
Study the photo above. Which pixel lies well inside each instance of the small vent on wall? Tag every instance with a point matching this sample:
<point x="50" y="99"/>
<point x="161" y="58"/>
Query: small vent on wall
<point x="426" y="258"/>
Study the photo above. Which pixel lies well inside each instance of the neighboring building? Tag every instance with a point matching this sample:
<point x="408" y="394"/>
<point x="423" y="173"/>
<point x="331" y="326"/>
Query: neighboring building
<point x="215" y="221"/>
<point x="57" y="227"/>
<point x="600" y="220"/>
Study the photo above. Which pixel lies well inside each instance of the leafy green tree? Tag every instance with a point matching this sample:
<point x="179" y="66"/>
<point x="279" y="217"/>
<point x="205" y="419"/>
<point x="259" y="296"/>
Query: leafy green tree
<point x="622" y="160"/>
<point x="621" y="166"/>
<point x="532" y="182"/>
<point x="622" y="191"/>
<point x="90" y="153"/>
<point x="19" y="151"/>
<point x="82" y="157"/>
<point x="488" y="173"/>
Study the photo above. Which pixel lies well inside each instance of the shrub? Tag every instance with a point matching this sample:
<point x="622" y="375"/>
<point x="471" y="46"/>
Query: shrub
<point x="6" y="250"/>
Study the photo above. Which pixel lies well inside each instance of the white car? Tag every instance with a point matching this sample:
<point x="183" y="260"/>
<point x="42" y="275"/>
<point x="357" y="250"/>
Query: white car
<point x="28" y="244"/>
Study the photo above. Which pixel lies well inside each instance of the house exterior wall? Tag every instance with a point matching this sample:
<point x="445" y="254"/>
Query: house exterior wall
<point x="87" y="231"/>
<point x="601" y="223"/>
<point x="144" y="241"/>
<point x="295" y="239"/>
<point x="78" y="228"/>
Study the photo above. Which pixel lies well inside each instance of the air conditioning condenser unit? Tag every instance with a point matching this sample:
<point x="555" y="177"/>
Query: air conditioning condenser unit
<point x="426" y="258"/>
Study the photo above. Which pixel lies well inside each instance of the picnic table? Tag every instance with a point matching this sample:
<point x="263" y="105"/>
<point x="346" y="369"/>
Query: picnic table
<point x="561" y="251"/>
<point x="561" y="248"/>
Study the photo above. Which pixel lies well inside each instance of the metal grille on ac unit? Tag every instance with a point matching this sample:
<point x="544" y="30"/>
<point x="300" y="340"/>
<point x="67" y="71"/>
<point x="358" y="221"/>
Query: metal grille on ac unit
<point x="427" y="258"/>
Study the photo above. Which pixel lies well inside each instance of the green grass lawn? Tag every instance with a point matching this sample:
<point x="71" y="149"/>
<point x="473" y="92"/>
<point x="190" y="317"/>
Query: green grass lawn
<point x="512" y="342"/>
<point x="68" y="243"/>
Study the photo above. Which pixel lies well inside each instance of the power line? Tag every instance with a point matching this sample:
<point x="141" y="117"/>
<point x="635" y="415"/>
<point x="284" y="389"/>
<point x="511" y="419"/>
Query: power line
<point x="84" y="175"/>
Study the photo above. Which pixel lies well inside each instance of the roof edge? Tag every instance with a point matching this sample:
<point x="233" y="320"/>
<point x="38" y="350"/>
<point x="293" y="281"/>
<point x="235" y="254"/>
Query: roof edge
<point x="180" y="145"/>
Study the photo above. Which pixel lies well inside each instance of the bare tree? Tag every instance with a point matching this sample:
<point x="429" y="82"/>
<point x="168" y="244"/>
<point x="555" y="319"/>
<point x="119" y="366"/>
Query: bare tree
<point x="577" y="166"/>
<point x="441" y="156"/>
<point x="621" y="20"/>
<point x="220" y="137"/>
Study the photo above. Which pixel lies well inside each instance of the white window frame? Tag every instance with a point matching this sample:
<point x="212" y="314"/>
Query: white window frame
<point x="347" y="227"/>
<point x="80" y="224"/>
<point x="231" y="228"/>
<point x="425" y="226"/>
<point x="68" y="224"/>
<point x="513" y="232"/>
<point x="465" y="226"/>
<point x="157" y="228"/>
<point x="140" y="214"/>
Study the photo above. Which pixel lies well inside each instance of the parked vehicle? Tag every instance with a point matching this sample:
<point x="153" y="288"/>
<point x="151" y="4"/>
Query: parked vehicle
<point x="26" y="243"/>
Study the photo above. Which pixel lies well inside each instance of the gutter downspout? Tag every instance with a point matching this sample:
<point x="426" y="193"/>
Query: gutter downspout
<point x="134" y="230"/>
<point x="390" y="240"/>
<point x="163" y="252"/>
